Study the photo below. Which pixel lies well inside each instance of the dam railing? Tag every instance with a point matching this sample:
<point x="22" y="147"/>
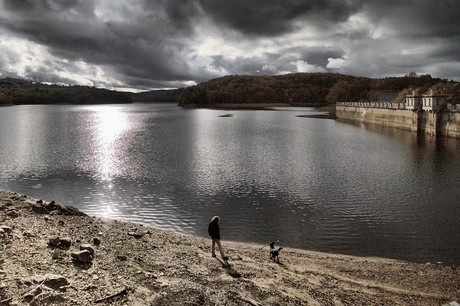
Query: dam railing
<point x="390" y="105"/>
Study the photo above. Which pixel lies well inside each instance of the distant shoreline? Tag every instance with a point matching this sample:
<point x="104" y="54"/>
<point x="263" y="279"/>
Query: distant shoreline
<point x="269" y="106"/>
<point x="250" y="106"/>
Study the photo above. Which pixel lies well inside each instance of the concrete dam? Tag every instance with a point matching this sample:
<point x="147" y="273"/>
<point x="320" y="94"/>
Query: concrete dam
<point x="420" y="113"/>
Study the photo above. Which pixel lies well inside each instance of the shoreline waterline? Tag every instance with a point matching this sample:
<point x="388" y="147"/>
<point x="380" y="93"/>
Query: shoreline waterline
<point x="138" y="265"/>
<point x="234" y="242"/>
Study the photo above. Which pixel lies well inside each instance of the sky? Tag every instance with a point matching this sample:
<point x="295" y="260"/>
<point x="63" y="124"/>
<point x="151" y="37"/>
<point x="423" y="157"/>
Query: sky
<point x="140" y="45"/>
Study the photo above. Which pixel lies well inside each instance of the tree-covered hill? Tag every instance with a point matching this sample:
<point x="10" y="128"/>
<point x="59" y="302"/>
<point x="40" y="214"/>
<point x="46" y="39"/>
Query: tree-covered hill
<point x="17" y="91"/>
<point x="306" y="89"/>
<point x="292" y="89"/>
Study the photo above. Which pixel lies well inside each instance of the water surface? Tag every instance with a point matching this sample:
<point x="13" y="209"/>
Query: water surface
<point x="311" y="183"/>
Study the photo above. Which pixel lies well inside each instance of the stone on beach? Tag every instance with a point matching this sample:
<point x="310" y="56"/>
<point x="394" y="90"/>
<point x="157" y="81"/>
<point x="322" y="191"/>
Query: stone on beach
<point x="41" y="207"/>
<point x="87" y="247"/>
<point x="83" y="256"/>
<point x="53" y="281"/>
<point x="60" y="242"/>
<point x="167" y="268"/>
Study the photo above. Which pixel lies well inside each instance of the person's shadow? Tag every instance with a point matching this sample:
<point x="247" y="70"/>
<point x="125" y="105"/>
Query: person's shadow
<point x="230" y="271"/>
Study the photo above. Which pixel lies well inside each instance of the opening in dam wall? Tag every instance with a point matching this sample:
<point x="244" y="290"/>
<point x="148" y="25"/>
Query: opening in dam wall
<point x="443" y="121"/>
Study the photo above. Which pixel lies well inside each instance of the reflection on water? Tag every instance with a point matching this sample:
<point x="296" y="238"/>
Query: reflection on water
<point x="110" y="123"/>
<point x="311" y="183"/>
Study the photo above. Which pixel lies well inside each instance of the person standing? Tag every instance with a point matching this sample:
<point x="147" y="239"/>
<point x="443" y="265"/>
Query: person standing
<point x="214" y="232"/>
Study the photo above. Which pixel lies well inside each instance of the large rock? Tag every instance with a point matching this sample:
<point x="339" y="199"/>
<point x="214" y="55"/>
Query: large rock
<point x="52" y="208"/>
<point x="40" y="209"/>
<point x="60" y="242"/>
<point x="69" y="210"/>
<point x="53" y="281"/>
<point x="83" y="256"/>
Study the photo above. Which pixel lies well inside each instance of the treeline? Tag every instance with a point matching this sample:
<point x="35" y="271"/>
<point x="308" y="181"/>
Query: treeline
<point x="305" y="89"/>
<point x="17" y="91"/>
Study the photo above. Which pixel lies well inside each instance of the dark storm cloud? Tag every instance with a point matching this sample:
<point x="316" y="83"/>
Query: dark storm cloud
<point x="172" y="43"/>
<point x="139" y="48"/>
<point x="417" y="19"/>
<point x="275" y="17"/>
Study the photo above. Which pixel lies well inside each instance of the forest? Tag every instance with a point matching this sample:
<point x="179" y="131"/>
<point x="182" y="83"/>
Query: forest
<point x="18" y="91"/>
<point x="297" y="89"/>
<point x="311" y="89"/>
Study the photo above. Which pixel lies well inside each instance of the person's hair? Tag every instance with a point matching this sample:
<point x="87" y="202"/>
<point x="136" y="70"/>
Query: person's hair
<point x="215" y="219"/>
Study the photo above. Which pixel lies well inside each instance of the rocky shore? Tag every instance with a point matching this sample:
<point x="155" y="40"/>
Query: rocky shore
<point x="53" y="254"/>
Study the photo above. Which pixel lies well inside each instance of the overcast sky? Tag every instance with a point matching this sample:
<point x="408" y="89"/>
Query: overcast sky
<point x="143" y="45"/>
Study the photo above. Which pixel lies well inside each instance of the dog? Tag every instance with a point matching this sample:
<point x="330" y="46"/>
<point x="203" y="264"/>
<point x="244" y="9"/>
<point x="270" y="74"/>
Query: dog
<point x="274" y="253"/>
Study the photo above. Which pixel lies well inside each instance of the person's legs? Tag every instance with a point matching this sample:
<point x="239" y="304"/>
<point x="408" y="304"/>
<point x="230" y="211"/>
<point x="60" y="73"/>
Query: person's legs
<point x="220" y="248"/>
<point x="213" y="247"/>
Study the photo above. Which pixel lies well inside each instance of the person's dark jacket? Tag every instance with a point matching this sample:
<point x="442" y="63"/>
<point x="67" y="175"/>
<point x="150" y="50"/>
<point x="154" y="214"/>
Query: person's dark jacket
<point x="213" y="230"/>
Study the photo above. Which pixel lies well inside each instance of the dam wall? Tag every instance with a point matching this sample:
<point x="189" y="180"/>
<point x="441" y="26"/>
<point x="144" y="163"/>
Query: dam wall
<point x="445" y="121"/>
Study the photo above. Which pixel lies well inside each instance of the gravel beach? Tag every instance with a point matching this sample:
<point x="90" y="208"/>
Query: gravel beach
<point x="52" y="254"/>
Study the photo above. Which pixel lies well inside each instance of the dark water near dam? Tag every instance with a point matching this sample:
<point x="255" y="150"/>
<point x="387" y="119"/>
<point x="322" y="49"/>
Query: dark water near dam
<point x="315" y="184"/>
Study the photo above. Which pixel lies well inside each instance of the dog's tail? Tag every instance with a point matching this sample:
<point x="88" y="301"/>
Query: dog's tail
<point x="269" y="244"/>
<point x="279" y="249"/>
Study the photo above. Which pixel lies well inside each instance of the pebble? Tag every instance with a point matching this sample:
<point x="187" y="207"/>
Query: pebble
<point x="96" y="241"/>
<point x="135" y="235"/>
<point x="12" y="213"/>
<point x="29" y="296"/>
<point x="28" y="234"/>
<point x="5" y="229"/>
<point x="87" y="247"/>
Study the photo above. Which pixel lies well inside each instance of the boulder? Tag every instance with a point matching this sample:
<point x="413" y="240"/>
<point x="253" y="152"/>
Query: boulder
<point x="83" y="256"/>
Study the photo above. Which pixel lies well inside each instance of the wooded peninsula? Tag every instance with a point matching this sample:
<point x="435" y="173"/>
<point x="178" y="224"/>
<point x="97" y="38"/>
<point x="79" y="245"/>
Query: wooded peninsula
<point x="18" y="91"/>
<point x="307" y="89"/>
<point x="297" y="89"/>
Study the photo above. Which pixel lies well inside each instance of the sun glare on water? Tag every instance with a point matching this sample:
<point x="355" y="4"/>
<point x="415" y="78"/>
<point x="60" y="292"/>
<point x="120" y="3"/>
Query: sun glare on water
<point x="110" y="124"/>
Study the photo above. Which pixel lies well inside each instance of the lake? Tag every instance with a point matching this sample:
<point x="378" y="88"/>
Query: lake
<point x="315" y="184"/>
